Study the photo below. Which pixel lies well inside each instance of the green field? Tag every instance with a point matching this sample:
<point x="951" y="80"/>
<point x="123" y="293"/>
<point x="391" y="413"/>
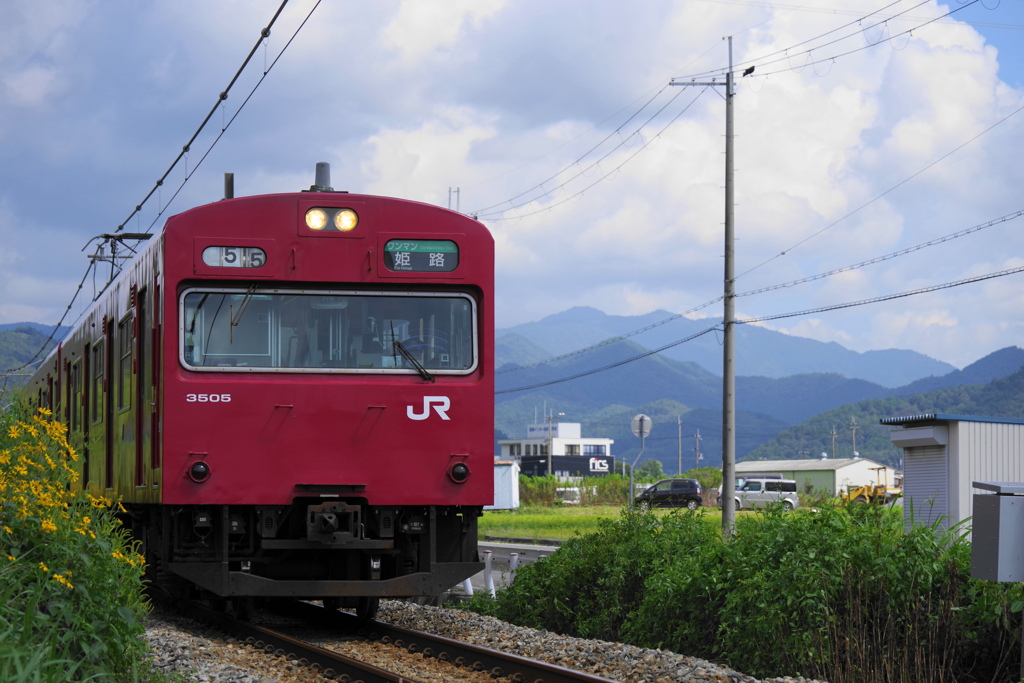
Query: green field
<point x="541" y="522"/>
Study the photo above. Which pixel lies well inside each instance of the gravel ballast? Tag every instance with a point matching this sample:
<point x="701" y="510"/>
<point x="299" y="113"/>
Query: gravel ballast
<point x="199" y="653"/>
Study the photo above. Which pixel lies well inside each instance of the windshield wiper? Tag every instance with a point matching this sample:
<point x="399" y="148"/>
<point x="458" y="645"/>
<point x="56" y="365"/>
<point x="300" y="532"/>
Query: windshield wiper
<point x="406" y="354"/>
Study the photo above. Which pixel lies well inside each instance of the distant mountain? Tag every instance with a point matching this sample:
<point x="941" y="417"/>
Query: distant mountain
<point x="19" y="343"/>
<point x="759" y="352"/>
<point x="781" y="415"/>
<point x="667" y="390"/>
<point x="998" y="364"/>
<point x="1002" y="397"/>
<point x="45" y="329"/>
<point x="514" y="349"/>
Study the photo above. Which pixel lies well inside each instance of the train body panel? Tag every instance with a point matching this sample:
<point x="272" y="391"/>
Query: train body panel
<point x="293" y="395"/>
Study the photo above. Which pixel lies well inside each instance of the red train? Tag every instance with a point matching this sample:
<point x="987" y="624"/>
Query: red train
<point x="292" y="395"/>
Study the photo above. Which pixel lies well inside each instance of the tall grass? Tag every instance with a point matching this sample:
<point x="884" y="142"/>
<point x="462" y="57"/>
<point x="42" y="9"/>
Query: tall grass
<point x="843" y="595"/>
<point x="609" y="489"/>
<point x="71" y="600"/>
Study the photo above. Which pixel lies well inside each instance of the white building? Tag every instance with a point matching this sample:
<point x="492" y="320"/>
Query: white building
<point x="828" y="475"/>
<point x="560" y="448"/>
<point x="943" y="455"/>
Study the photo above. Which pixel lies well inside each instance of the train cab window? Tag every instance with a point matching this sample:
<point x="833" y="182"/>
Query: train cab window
<point x="272" y="330"/>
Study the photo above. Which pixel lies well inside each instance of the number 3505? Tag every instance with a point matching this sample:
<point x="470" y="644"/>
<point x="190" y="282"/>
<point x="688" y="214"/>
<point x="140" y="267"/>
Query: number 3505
<point x="207" y="398"/>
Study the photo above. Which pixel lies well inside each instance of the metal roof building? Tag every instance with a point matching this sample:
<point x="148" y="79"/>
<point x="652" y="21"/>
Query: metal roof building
<point x="826" y="475"/>
<point x="944" y="454"/>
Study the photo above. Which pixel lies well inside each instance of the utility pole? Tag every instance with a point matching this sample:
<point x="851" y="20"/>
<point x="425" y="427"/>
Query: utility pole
<point x="551" y="441"/>
<point x="833" y="441"/>
<point x="679" y="441"/>
<point x="853" y="428"/>
<point x="728" y="318"/>
<point x="697" y="457"/>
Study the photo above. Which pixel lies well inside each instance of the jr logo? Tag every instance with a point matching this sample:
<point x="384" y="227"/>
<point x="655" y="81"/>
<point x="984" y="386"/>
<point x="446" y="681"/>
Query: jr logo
<point x="439" y="403"/>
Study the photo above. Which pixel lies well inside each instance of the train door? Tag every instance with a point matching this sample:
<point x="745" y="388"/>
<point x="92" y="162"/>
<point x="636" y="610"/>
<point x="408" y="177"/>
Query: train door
<point x="111" y="407"/>
<point x="143" y="385"/>
<point x="86" y="409"/>
<point x="98" y="403"/>
<point x="155" y="362"/>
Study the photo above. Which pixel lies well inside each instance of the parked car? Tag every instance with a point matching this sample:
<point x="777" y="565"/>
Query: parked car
<point x="672" y="493"/>
<point x="741" y="479"/>
<point x="757" y="493"/>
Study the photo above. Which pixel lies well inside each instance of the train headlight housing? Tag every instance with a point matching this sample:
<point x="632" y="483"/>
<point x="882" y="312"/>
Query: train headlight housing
<point x="459" y="472"/>
<point x="331" y="219"/>
<point x="199" y="472"/>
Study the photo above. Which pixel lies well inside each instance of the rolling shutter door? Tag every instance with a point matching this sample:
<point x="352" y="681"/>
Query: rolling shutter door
<point x="925" y="484"/>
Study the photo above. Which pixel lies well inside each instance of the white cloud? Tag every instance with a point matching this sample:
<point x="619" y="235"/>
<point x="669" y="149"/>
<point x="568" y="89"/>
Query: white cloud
<point x="413" y="98"/>
<point x="419" y="30"/>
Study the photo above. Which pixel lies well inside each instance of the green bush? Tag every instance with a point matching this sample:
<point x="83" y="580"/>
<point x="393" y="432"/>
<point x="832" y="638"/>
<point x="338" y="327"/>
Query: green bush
<point x="71" y="600"/>
<point x="847" y="594"/>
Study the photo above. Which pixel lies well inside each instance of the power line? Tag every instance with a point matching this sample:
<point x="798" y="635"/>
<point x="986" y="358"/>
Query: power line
<point x="887" y="297"/>
<point x="584" y="171"/>
<point x="264" y="34"/>
<point x="610" y="365"/>
<point x="891" y="255"/>
<point x="778" y="316"/>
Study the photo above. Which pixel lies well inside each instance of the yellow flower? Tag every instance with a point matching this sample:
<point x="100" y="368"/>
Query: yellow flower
<point x="48" y="526"/>
<point x="63" y="580"/>
<point x="12" y="558"/>
<point x="46" y="411"/>
<point x="8" y="529"/>
<point x="44" y="567"/>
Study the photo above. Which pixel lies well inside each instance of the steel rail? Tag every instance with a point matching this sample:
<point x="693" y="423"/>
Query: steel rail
<point x="326" y="662"/>
<point x="499" y="664"/>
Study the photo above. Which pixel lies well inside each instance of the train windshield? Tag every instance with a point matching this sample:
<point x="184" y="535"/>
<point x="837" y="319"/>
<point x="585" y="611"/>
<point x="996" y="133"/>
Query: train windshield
<point x="264" y="330"/>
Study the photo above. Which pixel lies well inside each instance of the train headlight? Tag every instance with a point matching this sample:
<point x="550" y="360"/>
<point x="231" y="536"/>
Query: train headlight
<point x="346" y="220"/>
<point x="331" y="219"/>
<point x="199" y="472"/>
<point x="459" y="472"/>
<point x="316" y="219"/>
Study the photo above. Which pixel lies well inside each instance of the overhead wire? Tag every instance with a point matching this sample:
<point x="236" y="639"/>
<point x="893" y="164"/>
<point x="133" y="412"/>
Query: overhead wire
<point x="778" y="316"/>
<point x="264" y="33"/>
<point x="835" y="271"/>
<point x="481" y="215"/>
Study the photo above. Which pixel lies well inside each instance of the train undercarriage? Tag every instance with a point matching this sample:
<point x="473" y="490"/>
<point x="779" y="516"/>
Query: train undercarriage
<point x="343" y="552"/>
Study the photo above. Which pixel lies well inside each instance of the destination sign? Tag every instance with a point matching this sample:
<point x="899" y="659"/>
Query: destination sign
<point x="421" y="256"/>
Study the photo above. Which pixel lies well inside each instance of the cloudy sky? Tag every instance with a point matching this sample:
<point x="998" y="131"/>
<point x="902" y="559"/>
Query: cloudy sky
<point x="859" y="137"/>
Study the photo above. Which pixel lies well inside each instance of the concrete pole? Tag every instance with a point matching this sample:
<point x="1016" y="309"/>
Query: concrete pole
<point x="728" y="321"/>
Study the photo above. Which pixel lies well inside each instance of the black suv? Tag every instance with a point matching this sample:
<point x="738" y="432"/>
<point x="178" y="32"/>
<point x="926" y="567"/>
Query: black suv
<point x="672" y="493"/>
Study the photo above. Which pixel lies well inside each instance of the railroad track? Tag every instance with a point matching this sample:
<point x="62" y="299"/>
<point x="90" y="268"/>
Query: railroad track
<point x="332" y="664"/>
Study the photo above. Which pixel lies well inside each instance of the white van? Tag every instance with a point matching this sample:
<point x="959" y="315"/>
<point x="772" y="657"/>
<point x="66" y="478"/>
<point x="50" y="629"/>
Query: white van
<point x="758" y="492"/>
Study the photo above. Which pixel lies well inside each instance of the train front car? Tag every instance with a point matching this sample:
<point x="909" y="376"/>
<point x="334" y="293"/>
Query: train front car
<point x="327" y="398"/>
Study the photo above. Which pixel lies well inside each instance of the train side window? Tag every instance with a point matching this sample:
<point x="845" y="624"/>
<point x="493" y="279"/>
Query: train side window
<point x="124" y="370"/>
<point x="98" y="395"/>
<point x="75" y="409"/>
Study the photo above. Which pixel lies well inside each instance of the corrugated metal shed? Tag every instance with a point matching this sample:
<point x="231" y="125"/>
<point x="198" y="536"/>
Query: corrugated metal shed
<point x="944" y="454"/>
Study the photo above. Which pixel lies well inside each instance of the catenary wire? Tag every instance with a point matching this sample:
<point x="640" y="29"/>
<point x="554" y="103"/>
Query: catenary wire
<point x="264" y="33"/>
<point x="778" y="316"/>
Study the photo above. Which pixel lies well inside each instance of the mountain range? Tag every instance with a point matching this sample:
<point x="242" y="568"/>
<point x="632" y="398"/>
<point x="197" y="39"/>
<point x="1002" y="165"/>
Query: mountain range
<point x="795" y="397"/>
